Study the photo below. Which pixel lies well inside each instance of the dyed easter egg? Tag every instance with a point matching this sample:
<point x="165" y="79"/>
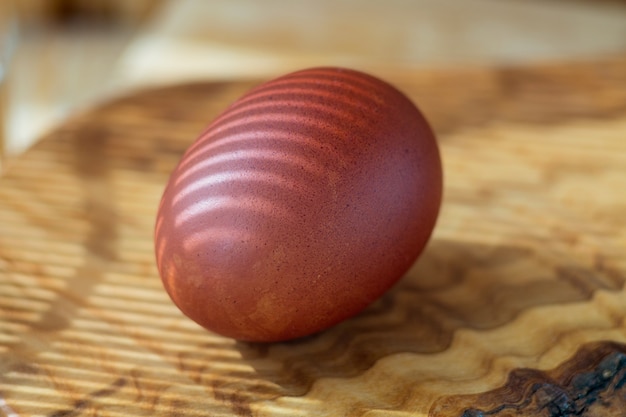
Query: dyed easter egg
<point x="298" y="206"/>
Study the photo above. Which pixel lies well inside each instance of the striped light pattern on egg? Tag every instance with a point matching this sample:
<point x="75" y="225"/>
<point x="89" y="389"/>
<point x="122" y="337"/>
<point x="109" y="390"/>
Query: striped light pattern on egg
<point x="298" y="206"/>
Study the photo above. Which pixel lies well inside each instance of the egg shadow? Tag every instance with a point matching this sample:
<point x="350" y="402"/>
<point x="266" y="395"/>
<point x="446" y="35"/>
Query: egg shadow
<point x="454" y="285"/>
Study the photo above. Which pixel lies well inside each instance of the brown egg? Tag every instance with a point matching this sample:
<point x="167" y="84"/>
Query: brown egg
<point x="302" y="203"/>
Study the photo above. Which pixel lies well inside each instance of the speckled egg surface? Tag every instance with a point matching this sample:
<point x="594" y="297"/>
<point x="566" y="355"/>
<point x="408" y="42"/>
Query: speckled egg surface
<point x="302" y="203"/>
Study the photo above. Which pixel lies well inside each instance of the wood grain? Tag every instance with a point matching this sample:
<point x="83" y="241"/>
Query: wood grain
<point x="517" y="307"/>
<point x="590" y="383"/>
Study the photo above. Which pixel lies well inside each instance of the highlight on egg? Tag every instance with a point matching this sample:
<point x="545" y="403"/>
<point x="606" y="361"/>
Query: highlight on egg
<point x="298" y="206"/>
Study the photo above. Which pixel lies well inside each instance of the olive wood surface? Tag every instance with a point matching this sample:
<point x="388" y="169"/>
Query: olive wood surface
<point x="516" y="308"/>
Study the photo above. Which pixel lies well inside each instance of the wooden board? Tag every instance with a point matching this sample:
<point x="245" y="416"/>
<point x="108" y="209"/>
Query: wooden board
<point x="517" y="307"/>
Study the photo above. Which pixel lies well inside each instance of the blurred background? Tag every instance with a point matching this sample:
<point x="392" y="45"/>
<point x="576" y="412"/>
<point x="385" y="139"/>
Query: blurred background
<point x="58" y="57"/>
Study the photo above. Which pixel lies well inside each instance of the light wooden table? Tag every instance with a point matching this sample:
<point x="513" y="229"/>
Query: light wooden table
<point x="231" y="39"/>
<point x="516" y="308"/>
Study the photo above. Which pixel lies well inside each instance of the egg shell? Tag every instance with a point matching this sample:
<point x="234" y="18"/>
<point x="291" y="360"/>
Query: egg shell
<point x="298" y="206"/>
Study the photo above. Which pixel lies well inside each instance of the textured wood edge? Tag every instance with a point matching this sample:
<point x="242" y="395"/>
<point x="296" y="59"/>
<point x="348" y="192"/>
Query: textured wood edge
<point x="592" y="381"/>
